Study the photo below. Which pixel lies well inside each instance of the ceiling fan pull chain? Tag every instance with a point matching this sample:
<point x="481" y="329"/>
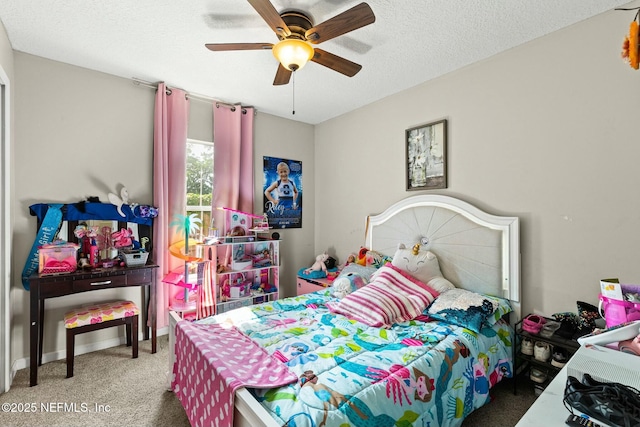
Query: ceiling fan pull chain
<point x="293" y="94"/>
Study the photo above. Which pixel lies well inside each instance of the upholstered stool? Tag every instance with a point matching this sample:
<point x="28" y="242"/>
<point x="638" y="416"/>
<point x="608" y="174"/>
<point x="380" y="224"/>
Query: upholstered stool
<point x="100" y="316"/>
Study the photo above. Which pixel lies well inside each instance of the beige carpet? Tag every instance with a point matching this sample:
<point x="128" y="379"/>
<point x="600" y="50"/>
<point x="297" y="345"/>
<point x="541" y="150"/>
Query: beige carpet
<point x="109" y="388"/>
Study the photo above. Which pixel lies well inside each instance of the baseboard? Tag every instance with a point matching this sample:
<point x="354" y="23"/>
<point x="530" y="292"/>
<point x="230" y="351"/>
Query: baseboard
<point x="80" y="349"/>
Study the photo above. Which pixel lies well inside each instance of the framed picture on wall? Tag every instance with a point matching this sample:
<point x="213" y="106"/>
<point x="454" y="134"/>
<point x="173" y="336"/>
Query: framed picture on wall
<point x="282" y="189"/>
<point x="426" y="160"/>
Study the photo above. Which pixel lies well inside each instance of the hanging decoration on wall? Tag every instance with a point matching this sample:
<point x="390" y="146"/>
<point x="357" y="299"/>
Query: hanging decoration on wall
<point x="630" y="47"/>
<point x="283" y="192"/>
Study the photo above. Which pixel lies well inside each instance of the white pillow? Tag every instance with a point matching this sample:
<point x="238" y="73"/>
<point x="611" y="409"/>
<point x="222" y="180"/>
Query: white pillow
<point x="423" y="265"/>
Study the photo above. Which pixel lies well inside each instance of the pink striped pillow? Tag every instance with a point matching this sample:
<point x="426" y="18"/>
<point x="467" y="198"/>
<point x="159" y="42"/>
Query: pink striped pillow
<point x="391" y="297"/>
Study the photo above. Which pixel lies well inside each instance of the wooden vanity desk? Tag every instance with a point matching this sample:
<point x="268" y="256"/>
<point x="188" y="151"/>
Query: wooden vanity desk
<point x="43" y="287"/>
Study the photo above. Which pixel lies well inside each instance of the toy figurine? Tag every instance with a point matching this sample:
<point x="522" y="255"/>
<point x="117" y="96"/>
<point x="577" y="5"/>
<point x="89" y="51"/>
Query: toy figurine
<point x="225" y="290"/>
<point x="267" y="287"/>
<point x="319" y="265"/>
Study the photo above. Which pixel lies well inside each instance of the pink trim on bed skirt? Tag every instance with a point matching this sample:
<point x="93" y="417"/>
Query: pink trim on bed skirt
<point x="212" y="362"/>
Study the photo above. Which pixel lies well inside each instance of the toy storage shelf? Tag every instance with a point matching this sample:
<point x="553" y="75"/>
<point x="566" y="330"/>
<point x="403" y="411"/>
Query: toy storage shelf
<point x="247" y="271"/>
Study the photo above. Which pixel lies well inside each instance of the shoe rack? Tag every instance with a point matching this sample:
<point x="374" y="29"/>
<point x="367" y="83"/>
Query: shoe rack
<point x="525" y="364"/>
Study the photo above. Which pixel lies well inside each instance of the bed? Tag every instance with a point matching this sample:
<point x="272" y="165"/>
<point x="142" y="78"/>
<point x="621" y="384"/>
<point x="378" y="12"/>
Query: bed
<point x="431" y="370"/>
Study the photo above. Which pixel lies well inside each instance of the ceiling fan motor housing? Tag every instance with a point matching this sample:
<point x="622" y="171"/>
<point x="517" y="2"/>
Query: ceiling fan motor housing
<point x="298" y="24"/>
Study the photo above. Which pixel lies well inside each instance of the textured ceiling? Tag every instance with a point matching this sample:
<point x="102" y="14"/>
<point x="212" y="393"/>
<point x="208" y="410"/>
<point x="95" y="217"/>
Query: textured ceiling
<point x="412" y="41"/>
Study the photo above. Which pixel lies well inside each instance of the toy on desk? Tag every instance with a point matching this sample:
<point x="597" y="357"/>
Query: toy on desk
<point x="84" y="234"/>
<point x="119" y="201"/>
<point x="122" y="238"/>
<point x="319" y="265"/>
<point x="618" y="333"/>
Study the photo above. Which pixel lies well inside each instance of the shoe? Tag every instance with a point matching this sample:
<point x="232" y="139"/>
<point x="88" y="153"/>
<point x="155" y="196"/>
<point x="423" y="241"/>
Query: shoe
<point x="541" y="351"/>
<point x="604" y="402"/>
<point x="567" y="328"/>
<point x="527" y="346"/>
<point x="559" y="357"/>
<point x="549" y="328"/>
<point x="632" y="394"/>
<point x="537" y="375"/>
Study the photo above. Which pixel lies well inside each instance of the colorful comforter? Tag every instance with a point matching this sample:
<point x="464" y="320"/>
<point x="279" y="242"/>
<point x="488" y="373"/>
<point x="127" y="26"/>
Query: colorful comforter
<point x="417" y="373"/>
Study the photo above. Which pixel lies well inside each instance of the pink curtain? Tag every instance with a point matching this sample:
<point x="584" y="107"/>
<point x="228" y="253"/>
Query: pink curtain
<point x="169" y="185"/>
<point x="233" y="160"/>
<point x="233" y="177"/>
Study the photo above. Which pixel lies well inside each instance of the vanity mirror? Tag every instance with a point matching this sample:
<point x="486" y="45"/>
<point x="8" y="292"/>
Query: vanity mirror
<point x="99" y="221"/>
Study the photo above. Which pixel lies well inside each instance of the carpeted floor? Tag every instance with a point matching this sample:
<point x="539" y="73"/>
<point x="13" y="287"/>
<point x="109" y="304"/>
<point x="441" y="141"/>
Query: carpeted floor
<point x="109" y="388"/>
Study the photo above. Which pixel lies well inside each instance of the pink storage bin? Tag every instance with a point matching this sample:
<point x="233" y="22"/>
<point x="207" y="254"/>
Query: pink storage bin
<point x="57" y="258"/>
<point x="616" y="312"/>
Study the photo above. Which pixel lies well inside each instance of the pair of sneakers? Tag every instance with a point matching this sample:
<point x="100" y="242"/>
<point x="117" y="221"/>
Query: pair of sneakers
<point x="541" y="351"/>
<point x="612" y="403"/>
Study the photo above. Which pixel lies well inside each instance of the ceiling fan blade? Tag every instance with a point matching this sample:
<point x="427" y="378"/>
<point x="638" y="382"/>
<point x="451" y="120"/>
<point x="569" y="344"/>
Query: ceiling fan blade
<point x="335" y="62"/>
<point x="271" y="17"/>
<point x="282" y="76"/>
<point x="219" y="47"/>
<point x="352" y="19"/>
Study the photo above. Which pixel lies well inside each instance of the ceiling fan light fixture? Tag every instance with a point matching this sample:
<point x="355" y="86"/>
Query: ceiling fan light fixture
<point x="293" y="54"/>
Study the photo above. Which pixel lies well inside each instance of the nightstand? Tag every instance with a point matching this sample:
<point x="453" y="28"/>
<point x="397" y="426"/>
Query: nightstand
<point x="304" y="286"/>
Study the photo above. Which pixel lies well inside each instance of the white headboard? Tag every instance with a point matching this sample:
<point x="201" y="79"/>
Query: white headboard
<point x="476" y="250"/>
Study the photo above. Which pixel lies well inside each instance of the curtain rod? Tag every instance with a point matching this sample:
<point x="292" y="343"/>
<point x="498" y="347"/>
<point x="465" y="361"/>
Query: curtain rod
<point x="189" y="95"/>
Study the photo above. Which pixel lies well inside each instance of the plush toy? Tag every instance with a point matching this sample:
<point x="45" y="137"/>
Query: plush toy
<point x="319" y="265"/>
<point x="346" y="284"/>
<point x="120" y="201"/>
<point x="423" y="265"/>
<point x="361" y="258"/>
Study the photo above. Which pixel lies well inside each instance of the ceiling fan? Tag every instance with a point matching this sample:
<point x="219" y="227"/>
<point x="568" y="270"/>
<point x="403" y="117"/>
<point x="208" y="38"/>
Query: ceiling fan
<point x="296" y="33"/>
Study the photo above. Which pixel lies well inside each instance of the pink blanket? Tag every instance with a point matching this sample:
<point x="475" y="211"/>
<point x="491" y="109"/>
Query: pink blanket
<point x="212" y="361"/>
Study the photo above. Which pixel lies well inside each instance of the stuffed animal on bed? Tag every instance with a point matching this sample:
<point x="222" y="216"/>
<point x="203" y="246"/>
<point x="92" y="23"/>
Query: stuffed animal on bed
<point x="361" y="258"/>
<point x="319" y="265"/>
<point x="423" y="265"/>
<point x="346" y="284"/>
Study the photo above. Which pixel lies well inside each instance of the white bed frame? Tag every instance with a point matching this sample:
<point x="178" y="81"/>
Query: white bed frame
<point x="476" y="250"/>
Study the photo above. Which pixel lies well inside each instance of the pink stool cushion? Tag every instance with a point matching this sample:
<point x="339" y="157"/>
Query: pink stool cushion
<point x="99" y="313"/>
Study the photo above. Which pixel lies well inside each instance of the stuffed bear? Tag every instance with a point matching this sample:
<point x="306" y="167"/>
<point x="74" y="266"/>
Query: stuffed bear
<point x="319" y="265"/>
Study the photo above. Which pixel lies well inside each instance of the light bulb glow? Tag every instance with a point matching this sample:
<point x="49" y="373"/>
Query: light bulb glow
<point x="293" y="54"/>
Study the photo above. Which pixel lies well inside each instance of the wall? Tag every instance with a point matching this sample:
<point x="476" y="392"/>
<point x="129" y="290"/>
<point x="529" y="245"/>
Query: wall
<point x="82" y="133"/>
<point x="7" y="146"/>
<point x="546" y="131"/>
<point x="278" y="137"/>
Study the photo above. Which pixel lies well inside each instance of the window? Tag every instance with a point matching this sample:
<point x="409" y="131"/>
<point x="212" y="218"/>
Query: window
<point x="200" y="181"/>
